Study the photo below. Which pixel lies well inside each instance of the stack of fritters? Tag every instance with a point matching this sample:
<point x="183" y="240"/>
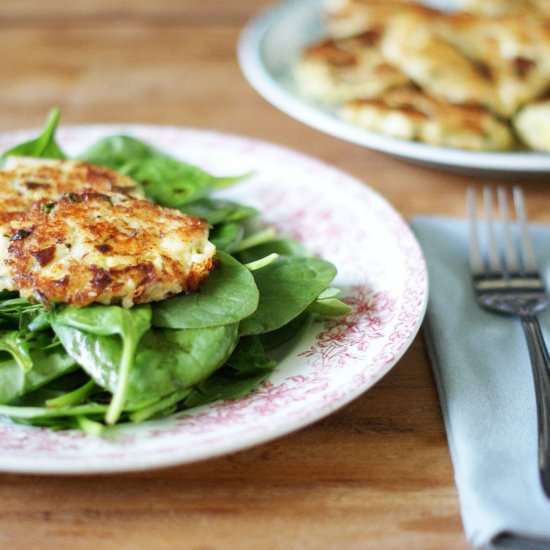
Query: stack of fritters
<point x="474" y="80"/>
<point x="76" y="233"/>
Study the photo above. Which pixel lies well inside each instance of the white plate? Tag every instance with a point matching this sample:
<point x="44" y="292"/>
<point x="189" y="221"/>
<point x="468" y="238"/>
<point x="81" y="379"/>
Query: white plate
<point x="380" y="268"/>
<point x="269" y="47"/>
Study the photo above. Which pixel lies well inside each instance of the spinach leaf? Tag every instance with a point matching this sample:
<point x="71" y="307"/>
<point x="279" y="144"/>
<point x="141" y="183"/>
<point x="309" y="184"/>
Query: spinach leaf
<point x="44" y="146"/>
<point x="46" y="365"/>
<point x="14" y="411"/>
<point x="223" y="385"/>
<point x="169" y="360"/>
<point x="218" y="210"/>
<point x="15" y="343"/>
<point x="74" y="397"/>
<point x="277" y="338"/>
<point x="165" y="361"/>
<point x="59" y="386"/>
<point x="247" y="368"/>
<point x="227" y="236"/>
<point x="327" y="304"/>
<point x="166" y="180"/>
<point x="21" y="314"/>
<point x="262" y="262"/>
<point x="249" y="358"/>
<point x="228" y="295"/>
<point x="331" y="292"/>
<point x="39" y="321"/>
<point x="89" y="426"/>
<point x="282" y="247"/>
<point x="330" y="307"/>
<point x="255" y="239"/>
<point x="287" y="287"/>
<point x="117" y="150"/>
<point x="14" y="308"/>
<point x="97" y="320"/>
<point x="164" y="406"/>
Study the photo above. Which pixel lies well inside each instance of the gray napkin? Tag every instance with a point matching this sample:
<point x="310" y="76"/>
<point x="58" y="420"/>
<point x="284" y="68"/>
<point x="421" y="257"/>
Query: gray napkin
<point x="483" y="375"/>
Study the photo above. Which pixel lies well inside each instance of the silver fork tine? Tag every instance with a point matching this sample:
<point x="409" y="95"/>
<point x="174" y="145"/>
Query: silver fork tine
<point x="526" y="246"/>
<point x="510" y="256"/>
<point x="494" y="259"/>
<point x="476" y="262"/>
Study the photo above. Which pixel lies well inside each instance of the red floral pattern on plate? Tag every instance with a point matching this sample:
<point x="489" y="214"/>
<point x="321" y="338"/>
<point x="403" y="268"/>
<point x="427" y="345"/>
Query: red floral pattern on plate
<point x="381" y="272"/>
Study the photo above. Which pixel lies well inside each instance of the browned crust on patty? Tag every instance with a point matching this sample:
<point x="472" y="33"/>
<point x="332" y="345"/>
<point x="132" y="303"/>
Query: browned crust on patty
<point x="31" y="180"/>
<point x="94" y="247"/>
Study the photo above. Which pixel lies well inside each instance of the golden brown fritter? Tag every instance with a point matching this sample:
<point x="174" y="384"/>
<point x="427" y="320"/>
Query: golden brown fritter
<point x="350" y="17"/>
<point x="532" y="124"/>
<point x="338" y="70"/>
<point x="514" y="51"/>
<point x="457" y="78"/>
<point x="25" y="180"/>
<point x="414" y="47"/>
<point x="507" y="7"/>
<point x="108" y="248"/>
<point x="409" y="113"/>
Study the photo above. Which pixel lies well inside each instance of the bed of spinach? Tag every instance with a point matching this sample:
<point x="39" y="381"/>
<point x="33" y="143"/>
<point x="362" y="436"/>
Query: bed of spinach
<point x="92" y="367"/>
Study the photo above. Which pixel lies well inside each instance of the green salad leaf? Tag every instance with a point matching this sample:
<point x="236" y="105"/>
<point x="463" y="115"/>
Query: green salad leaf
<point x="21" y="314"/>
<point x="179" y="359"/>
<point x="14" y="308"/>
<point x="166" y="360"/>
<point x="166" y="180"/>
<point x="37" y="413"/>
<point x="44" y="146"/>
<point x="217" y="211"/>
<point x="227" y="236"/>
<point x="74" y="397"/>
<point x="17" y="345"/>
<point x="282" y="336"/>
<point x="257" y="238"/>
<point x="331" y="307"/>
<point x="46" y="366"/>
<point x="97" y="320"/>
<point x="249" y="358"/>
<point x="262" y="262"/>
<point x="287" y="287"/>
<point x="228" y="295"/>
<point x="60" y="386"/>
<point x="162" y="407"/>
<point x="247" y="367"/>
<point x="282" y="247"/>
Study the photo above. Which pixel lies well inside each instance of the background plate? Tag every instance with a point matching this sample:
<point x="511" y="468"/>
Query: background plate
<point x="381" y="270"/>
<point x="268" y="48"/>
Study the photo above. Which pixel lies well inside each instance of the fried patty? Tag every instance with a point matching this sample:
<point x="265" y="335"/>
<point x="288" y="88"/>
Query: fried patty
<point x="339" y="70"/>
<point x="103" y="247"/>
<point x="513" y="50"/>
<point x="507" y="7"/>
<point x="414" y="47"/>
<point x="533" y="125"/>
<point x="409" y="113"/>
<point x="349" y="17"/>
<point x="25" y="180"/>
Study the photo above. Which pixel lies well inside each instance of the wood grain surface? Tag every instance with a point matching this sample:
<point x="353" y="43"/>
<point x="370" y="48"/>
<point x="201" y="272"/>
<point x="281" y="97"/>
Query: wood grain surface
<point x="374" y="475"/>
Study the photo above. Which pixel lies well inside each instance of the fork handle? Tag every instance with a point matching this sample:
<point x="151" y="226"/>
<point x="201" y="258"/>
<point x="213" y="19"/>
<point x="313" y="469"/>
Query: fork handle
<point x="540" y="363"/>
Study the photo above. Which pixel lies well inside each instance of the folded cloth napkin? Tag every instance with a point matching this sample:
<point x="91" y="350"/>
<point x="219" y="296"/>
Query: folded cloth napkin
<point x="483" y="374"/>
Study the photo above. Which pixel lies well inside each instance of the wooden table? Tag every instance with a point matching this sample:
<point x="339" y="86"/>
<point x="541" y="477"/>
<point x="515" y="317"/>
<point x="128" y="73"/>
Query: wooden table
<point x="374" y="475"/>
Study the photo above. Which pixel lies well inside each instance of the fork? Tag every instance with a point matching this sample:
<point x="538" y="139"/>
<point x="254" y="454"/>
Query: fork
<point x="506" y="280"/>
